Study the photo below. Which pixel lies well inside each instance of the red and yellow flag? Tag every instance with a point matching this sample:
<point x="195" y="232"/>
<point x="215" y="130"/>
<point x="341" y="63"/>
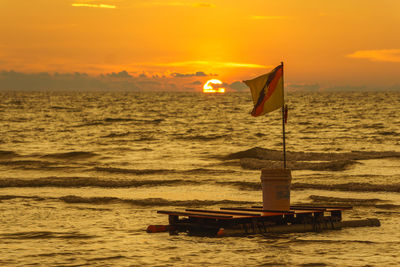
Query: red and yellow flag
<point x="267" y="91"/>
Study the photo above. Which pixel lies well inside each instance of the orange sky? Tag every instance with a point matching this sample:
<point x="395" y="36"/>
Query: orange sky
<point x="332" y="43"/>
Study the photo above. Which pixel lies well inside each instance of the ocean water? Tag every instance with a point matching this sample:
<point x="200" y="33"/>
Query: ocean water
<point x="83" y="174"/>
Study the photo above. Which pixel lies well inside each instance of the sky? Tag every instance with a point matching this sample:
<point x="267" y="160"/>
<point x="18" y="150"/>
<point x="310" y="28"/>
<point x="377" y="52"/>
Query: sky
<point x="323" y="43"/>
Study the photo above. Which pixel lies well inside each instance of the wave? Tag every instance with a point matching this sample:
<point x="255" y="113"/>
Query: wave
<point x="248" y="186"/>
<point x="387" y="206"/>
<point x="65" y="108"/>
<point x="94" y="123"/>
<point x="40" y="165"/>
<point x="130" y="171"/>
<point x="257" y="158"/>
<point x="206" y="171"/>
<point x="160" y="171"/>
<point x="100" y="259"/>
<point x="23" y="162"/>
<point x="364" y="202"/>
<point x="354" y="187"/>
<point x="385" y="133"/>
<point x="8" y="197"/>
<point x="202" y="137"/>
<point x="146" y="202"/>
<point x="353" y="201"/>
<point x="70" y="182"/>
<point x="107" y="121"/>
<point x="71" y="155"/>
<point x="112" y="135"/>
<point x="151" y="201"/>
<point x="257" y="164"/>
<point x="45" y="235"/>
<point x="4" y="154"/>
<point x="32" y="164"/>
<point x="118" y="119"/>
<point x="127" y="140"/>
<point x="155" y="121"/>
<point x="144" y="139"/>
<point x="329" y="241"/>
<point x="373" y="126"/>
<point x="275" y="155"/>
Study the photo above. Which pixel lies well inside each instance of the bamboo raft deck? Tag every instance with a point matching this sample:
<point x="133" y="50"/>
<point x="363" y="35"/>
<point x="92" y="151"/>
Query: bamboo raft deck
<point x="233" y="221"/>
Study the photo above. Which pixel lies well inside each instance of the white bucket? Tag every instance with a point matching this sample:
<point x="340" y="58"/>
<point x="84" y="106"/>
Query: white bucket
<point x="276" y="188"/>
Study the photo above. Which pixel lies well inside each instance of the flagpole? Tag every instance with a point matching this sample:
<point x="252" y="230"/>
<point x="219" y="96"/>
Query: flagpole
<point x="283" y="120"/>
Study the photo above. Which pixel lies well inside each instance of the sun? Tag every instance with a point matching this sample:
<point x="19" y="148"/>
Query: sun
<point x="212" y="86"/>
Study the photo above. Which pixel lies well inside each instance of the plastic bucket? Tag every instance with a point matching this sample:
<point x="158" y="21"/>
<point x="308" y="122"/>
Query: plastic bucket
<point x="276" y="188"/>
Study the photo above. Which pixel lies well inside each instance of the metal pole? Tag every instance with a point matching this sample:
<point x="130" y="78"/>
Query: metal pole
<point x="283" y="120"/>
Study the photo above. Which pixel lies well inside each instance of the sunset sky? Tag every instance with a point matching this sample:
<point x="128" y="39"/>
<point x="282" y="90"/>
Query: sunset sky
<point x="329" y="43"/>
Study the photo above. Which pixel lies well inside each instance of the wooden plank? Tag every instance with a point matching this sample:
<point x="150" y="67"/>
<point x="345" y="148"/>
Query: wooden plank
<point x="192" y="214"/>
<point x="226" y="212"/>
<point x="322" y="207"/>
<point x="259" y="210"/>
<point x="262" y="208"/>
<point x="308" y="211"/>
<point x="306" y="206"/>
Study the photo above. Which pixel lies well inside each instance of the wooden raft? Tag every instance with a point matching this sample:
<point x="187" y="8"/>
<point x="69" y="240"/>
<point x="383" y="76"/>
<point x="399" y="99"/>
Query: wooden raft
<point x="255" y="220"/>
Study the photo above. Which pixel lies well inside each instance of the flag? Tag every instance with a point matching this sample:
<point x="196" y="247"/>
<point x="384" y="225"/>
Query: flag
<point x="267" y="91"/>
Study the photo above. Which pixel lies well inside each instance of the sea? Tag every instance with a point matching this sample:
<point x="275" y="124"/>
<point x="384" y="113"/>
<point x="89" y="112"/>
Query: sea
<point x="82" y="175"/>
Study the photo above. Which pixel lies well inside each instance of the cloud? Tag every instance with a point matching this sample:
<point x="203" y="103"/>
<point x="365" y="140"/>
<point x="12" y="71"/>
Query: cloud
<point x="185" y="75"/>
<point x="197" y="83"/>
<point x="180" y="4"/>
<point x="255" y="17"/>
<point x="238" y="86"/>
<point x="383" y="55"/>
<point x="93" y="5"/>
<point x="113" y="81"/>
<point x="122" y="74"/>
<point x="124" y="81"/>
<point x="11" y="80"/>
<point x="214" y="64"/>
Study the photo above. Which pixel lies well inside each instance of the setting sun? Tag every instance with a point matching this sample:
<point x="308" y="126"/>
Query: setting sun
<point x="212" y="86"/>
